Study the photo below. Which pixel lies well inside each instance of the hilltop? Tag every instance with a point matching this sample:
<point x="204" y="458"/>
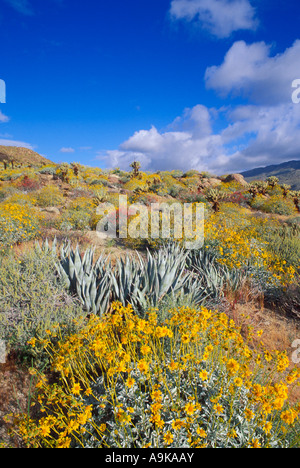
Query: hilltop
<point x="287" y="173"/>
<point x="22" y="156"/>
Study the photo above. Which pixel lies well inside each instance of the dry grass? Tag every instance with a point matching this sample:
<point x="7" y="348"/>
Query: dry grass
<point x="14" y="391"/>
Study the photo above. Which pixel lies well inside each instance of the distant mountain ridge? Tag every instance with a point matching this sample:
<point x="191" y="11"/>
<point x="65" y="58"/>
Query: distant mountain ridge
<point x="22" y="156"/>
<point x="287" y="173"/>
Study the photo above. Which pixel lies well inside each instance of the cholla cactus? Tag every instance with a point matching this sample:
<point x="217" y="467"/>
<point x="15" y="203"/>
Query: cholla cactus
<point x="272" y="181"/>
<point x="63" y="172"/>
<point x="215" y="196"/>
<point x="75" y="168"/>
<point x="253" y="189"/>
<point x="262" y="187"/>
<point x="136" y="165"/>
<point x="296" y="198"/>
<point x="285" y="189"/>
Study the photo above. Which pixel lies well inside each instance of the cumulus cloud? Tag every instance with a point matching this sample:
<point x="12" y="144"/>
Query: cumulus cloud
<point x="187" y="143"/>
<point x="233" y="138"/>
<point x="220" y="17"/>
<point x="251" y="71"/>
<point x="252" y="136"/>
<point x="67" y="150"/>
<point x="272" y="132"/>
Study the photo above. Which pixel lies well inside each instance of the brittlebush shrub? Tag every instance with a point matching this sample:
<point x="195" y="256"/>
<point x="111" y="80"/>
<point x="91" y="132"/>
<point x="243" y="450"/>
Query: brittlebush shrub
<point x="187" y="381"/>
<point x="33" y="303"/>
<point x="274" y="204"/>
<point x="78" y="215"/>
<point x="239" y="241"/>
<point x="49" y="196"/>
<point x="18" y="223"/>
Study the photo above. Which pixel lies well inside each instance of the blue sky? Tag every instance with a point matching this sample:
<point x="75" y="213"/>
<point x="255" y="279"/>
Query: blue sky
<point x="176" y="84"/>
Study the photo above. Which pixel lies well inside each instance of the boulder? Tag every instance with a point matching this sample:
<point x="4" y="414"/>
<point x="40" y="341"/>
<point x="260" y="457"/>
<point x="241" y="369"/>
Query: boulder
<point x="52" y="210"/>
<point x="236" y="178"/>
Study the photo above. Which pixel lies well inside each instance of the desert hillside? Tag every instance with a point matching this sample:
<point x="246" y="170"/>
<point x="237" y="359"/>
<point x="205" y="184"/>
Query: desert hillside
<point x="21" y="156"/>
<point x="287" y="173"/>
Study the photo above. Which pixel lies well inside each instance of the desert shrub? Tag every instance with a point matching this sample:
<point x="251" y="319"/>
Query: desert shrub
<point x="238" y="240"/>
<point x="18" y="223"/>
<point x="177" y="174"/>
<point x="189" y="381"/>
<point x="191" y="182"/>
<point x="191" y="173"/>
<point x="33" y="303"/>
<point x="206" y="175"/>
<point x="49" y="170"/>
<point x="28" y="184"/>
<point x="284" y="241"/>
<point x="6" y="191"/>
<point x="20" y="198"/>
<point x="49" y="196"/>
<point x="294" y="222"/>
<point x="137" y="182"/>
<point x="274" y="204"/>
<point x="239" y="197"/>
<point x="78" y="214"/>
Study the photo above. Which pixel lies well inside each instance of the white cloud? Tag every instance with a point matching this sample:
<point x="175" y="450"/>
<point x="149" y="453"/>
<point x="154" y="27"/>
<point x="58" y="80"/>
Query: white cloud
<point x="252" y="136"/>
<point x="220" y="17"/>
<point x="263" y="131"/>
<point x="3" y="118"/>
<point x="67" y="150"/>
<point x="250" y="71"/>
<point x="273" y="135"/>
<point x="189" y="143"/>
<point x="21" y="6"/>
<point x="20" y="144"/>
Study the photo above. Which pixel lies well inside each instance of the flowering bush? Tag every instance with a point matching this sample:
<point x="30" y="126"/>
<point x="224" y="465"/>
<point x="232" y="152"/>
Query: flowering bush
<point x="79" y="214"/>
<point x="49" y="196"/>
<point x="187" y="381"/>
<point x="274" y="204"/>
<point x="235" y="235"/>
<point x="18" y="223"/>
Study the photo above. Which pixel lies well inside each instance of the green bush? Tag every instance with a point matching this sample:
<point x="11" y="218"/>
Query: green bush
<point x="274" y="204"/>
<point x="49" y="196"/>
<point x="33" y="302"/>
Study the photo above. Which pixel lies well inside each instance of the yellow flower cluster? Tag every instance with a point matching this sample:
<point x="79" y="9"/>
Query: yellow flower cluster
<point x="18" y="223"/>
<point x="235" y="235"/>
<point x="153" y="375"/>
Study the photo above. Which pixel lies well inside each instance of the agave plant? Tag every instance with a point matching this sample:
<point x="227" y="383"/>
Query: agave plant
<point x="145" y="282"/>
<point x="142" y="282"/>
<point x="212" y="276"/>
<point x="90" y="281"/>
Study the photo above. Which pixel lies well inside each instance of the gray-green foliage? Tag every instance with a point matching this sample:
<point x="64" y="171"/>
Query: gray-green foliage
<point x="32" y="301"/>
<point x="212" y="275"/>
<point x="90" y="281"/>
<point x="142" y="282"/>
